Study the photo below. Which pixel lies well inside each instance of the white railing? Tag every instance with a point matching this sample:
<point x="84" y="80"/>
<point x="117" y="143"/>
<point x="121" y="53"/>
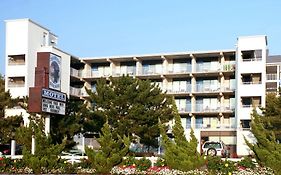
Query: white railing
<point x="74" y="72"/>
<point x="75" y="91"/>
<point x="271" y="76"/>
<point x="251" y="82"/>
<point x="252" y="59"/>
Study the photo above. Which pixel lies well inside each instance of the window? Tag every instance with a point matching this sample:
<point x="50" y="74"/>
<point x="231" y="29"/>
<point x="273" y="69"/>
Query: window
<point x="188" y="122"/>
<point x="247" y="102"/>
<point x="245" y="124"/>
<point x="198" y="122"/>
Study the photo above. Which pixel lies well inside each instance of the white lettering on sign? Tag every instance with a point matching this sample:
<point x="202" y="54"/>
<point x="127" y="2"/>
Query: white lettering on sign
<point x="51" y="106"/>
<point x="59" y="96"/>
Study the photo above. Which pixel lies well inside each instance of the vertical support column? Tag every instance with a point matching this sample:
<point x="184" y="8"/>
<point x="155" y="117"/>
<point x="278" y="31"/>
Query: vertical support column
<point x="138" y="66"/>
<point x="83" y="145"/>
<point x="112" y="67"/>
<point x="193" y="63"/>
<point x="47" y="124"/>
<point x="33" y="145"/>
<point x="13" y="147"/>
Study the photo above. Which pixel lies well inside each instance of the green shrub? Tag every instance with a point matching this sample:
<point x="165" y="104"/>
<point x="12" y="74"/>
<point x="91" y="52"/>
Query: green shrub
<point x="129" y="161"/>
<point x="247" y="163"/>
<point x="160" y="162"/>
<point x="216" y="165"/>
<point x="143" y="164"/>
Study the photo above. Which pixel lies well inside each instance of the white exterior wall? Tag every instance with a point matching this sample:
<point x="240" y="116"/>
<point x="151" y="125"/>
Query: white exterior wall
<point x="16" y="44"/>
<point x="249" y="90"/>
<point x="23" y="37"/>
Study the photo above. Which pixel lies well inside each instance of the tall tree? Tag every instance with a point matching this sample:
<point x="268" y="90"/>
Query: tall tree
<point x="132" y="106"/>
<point x="272" y="115"/>
<point x="180" y="153"/>
<point x="111" y="152"/>
<point x="9" y="124"/>
<point x="266" y="149"/>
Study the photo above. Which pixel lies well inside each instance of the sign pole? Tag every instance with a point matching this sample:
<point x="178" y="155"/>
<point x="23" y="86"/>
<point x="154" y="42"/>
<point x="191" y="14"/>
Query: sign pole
<point x="47" y="124"/>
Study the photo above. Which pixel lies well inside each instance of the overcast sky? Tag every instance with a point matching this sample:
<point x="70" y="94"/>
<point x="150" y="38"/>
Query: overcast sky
<point x="90" y="28"/>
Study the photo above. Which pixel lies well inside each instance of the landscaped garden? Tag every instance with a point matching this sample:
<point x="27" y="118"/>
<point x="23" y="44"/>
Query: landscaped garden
<point x="131" y="165"/>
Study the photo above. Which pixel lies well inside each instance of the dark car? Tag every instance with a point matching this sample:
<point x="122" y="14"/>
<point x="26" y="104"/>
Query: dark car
<point x="5" y="149"/>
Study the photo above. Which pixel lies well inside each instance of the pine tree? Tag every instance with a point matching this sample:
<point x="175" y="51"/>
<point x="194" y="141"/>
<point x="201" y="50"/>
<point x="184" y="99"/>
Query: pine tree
<point x="5" y="98"/>
<point x="46" y="155"/>
<point x="180" y="153"/>
<point x="272" y="115"/>
<point x="9" y="124"/>
<point x="132" y="106"/>
<point x="266" y="149"/>
<point x="111" y="152"/>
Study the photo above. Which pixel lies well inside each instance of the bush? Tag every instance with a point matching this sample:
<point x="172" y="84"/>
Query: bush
<point x="143" y="164"/>
<point x="129" y="161"/>
<point x="215" y="165"/>
<point x="247" y="163"/>
<point x="160" y="162"/>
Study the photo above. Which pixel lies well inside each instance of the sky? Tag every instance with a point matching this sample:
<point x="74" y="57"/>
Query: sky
<point x="92" y="28"/>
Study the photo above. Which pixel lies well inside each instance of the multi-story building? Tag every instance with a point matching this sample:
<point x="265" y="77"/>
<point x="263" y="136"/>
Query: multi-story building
<point x="273" y="73"/>
<point x="215" y="91"/>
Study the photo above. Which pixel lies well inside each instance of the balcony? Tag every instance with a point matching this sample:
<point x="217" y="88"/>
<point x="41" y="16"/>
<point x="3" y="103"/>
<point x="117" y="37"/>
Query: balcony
<point x="75" y="73"/>
<point x="96" y="74"/>
<point x="271" y="77"/>
<point x="207" y="89"/>
<point x="79" y="92"/>
<point x="215" y="126"/>
<point x="183" y="91"/>
<point x="201" y="68"/>
<point x="251" y="59"/>
<point x="200" y="108"/>
<point x="183" y="110"/>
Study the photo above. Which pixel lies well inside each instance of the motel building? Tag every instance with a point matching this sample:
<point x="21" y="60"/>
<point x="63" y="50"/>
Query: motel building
<point x="215" y="91"/>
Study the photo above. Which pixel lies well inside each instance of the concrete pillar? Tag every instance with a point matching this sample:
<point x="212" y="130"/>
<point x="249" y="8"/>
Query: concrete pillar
<point x="13" y="147"/>
<point x="47" y="124"/>
<point x="33" y="145"/>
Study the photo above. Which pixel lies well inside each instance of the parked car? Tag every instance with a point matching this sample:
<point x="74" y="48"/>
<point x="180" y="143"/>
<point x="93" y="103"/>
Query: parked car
<point x="214" y="148"/>
<point x="5" y="149"/>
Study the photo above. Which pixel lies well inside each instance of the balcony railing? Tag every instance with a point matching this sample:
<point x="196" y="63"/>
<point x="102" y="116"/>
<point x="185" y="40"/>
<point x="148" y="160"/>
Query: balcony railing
<point x="187" y="89"/>
<point x="207" y="88"/>
<point x="75" y="91"/>
<point x="10" y="84"/>
<point x="182" y="70"/>
<point x="186" y="109"/>
<point x="251" y="59"/>
<point x="271" y="76"/>
<point x="215" y="126"/>
<point x="201" y="108"/>
<point x="151" y="71"/>
<point x="74" y="72"/>
<point x="95" y="74"/>
<point x="204" y="68"/>
<point x="251" y="82"/>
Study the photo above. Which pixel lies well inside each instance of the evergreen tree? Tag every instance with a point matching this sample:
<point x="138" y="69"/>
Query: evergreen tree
<point x="132" y="106"/>
<point x="266" y="149"/>
<point x="5" y="98"/>
<point x="70" y="124"/>
<point x="111" y="152"/>
<point x="9" y="124"/>
<point x="180" y="153"/>
<point x="46" y="155"/>
<point x="272" y="115"/>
